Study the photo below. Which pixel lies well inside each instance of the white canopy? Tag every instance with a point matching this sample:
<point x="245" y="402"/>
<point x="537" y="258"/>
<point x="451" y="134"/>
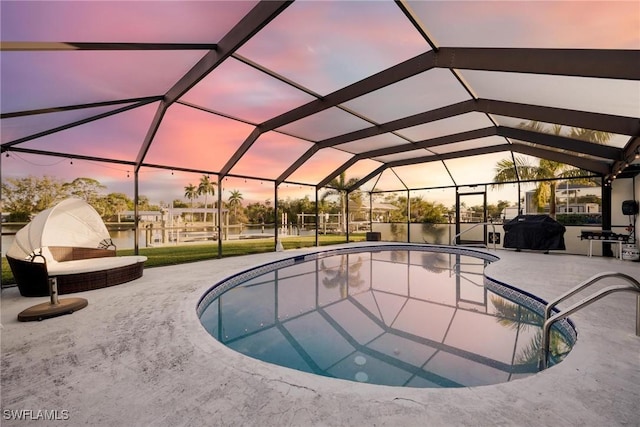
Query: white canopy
<point x="72" y="222"/>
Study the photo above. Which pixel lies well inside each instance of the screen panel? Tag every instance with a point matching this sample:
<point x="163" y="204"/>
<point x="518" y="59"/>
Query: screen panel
<point x="588" y="135"/>
<point x="372" y="143"/>
<point x="320" y="165"/>
<point x="241" y="91"/>
<point x="475" y="169"/>
<point x="451" y="125"/>
<point x="547" y="24"/>
<point x="82" y="77"/>
<point x="471" y="144"/>
<point x="23" y="126"/>
<point x="325" y="124"/>
<point x="270" y="155"/>
<point x="188" y="136"/>
<point x="126" y="22"/>
<point x="117" y="137"/>
<point x="426" y="91"/>
<point x="356" y="42"/>
<point x="618" y="97"/>
<point x="426" y="175"/>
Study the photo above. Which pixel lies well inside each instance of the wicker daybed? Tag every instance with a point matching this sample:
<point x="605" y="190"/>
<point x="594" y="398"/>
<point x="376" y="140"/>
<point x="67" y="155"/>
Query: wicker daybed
<point x="83" y="257"/>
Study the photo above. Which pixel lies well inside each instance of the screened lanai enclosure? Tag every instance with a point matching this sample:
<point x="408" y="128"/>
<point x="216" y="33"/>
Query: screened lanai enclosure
<point x="187" y="121"/>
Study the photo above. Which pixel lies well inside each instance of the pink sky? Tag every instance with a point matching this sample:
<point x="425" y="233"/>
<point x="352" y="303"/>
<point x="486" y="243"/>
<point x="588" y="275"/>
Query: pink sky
<point x="335" y="44"/>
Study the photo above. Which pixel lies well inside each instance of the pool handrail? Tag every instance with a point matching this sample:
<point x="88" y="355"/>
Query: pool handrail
<point x="550" y="320"/>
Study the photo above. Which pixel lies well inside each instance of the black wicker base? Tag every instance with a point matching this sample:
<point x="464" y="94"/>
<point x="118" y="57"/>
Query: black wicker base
<point x="32" y="278"/>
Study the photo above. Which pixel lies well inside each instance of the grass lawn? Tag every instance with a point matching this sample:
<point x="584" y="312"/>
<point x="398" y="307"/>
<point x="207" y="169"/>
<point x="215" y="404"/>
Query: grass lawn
<point x="171" y="255"/>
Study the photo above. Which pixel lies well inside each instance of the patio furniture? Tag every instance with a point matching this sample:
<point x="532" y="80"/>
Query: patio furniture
<point x="71" y="243"/>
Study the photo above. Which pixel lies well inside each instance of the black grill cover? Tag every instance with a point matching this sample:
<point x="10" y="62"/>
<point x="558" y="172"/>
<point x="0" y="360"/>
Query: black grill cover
<point x="539" y="232"/>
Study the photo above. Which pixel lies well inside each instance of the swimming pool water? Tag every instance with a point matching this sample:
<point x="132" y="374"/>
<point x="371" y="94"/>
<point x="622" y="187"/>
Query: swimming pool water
<point x="409" y="317"/>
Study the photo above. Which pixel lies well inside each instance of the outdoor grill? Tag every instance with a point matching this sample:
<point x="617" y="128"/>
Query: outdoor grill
<point x="537" y="232"/>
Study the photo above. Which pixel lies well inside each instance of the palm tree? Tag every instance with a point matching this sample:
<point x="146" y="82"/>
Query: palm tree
<point x="590" y="135"/>
<point x="339" y="187"/>
<point x="235" y="200"/>
<point x="191" y="192"/>
<point x="345" y="276"/>
<point x="517" y="317"/>
<point x="433" y="261"/>
<point x="546" y="171"/>
<point x="206" y="187"/>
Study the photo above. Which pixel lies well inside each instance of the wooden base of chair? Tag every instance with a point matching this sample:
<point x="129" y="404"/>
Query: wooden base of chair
<point x="47" y="310"/>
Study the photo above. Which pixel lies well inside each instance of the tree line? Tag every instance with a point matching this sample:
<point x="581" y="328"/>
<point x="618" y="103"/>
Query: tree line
<point x="22" y="198"/>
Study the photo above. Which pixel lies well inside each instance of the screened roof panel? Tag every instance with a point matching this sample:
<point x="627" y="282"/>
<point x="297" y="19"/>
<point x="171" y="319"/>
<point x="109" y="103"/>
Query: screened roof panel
<point x="426" y="91"/>
<point x="22" y="126"/>
<point x="468" y="145"/>
<point x="325" y="124"/>
<point x="360" y="77"/>
<point x="618" y="97"/>
<point x="561" y="150"/>
<point x="455" y="124"/>
<point x="204" y="141"/>
<point x="270" y="155"/>
<point x="362" y="168"/>
<point x="319" y="166"/>
<point x="372" y="143"/>
<point x="117" y="137"/>
<point x="133" y="21"/>
<point x="387" y="180"/>
<point x="241" y="91"/>
<point x="32" y="80"/>
<point x="525" y="24"/>
<point x="614" y="140"/>
<point x="420" y="152"/>
<point x="335" y="43"/>
<point x="465" y="171"/>
<point x="431" y="174"/>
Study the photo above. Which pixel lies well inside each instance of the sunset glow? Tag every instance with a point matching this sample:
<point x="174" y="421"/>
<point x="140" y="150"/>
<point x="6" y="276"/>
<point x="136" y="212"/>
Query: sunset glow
<point x="308" y="51"/>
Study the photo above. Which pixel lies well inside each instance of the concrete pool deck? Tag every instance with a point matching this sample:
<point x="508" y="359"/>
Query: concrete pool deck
<point x="138" y="356"/>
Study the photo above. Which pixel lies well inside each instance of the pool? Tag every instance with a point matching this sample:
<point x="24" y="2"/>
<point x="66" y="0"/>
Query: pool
<point x="399" y="315"/>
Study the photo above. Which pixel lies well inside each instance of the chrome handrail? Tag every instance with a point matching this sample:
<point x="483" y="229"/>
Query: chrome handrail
<point x="493" y="226"/>
<point x="550" y="320"/>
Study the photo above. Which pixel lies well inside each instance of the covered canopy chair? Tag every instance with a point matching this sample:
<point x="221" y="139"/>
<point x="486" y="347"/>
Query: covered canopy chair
<point x="70" y="242"/>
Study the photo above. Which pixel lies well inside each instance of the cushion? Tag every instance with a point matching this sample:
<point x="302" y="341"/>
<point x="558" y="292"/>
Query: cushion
<point x="93" y="264"/>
